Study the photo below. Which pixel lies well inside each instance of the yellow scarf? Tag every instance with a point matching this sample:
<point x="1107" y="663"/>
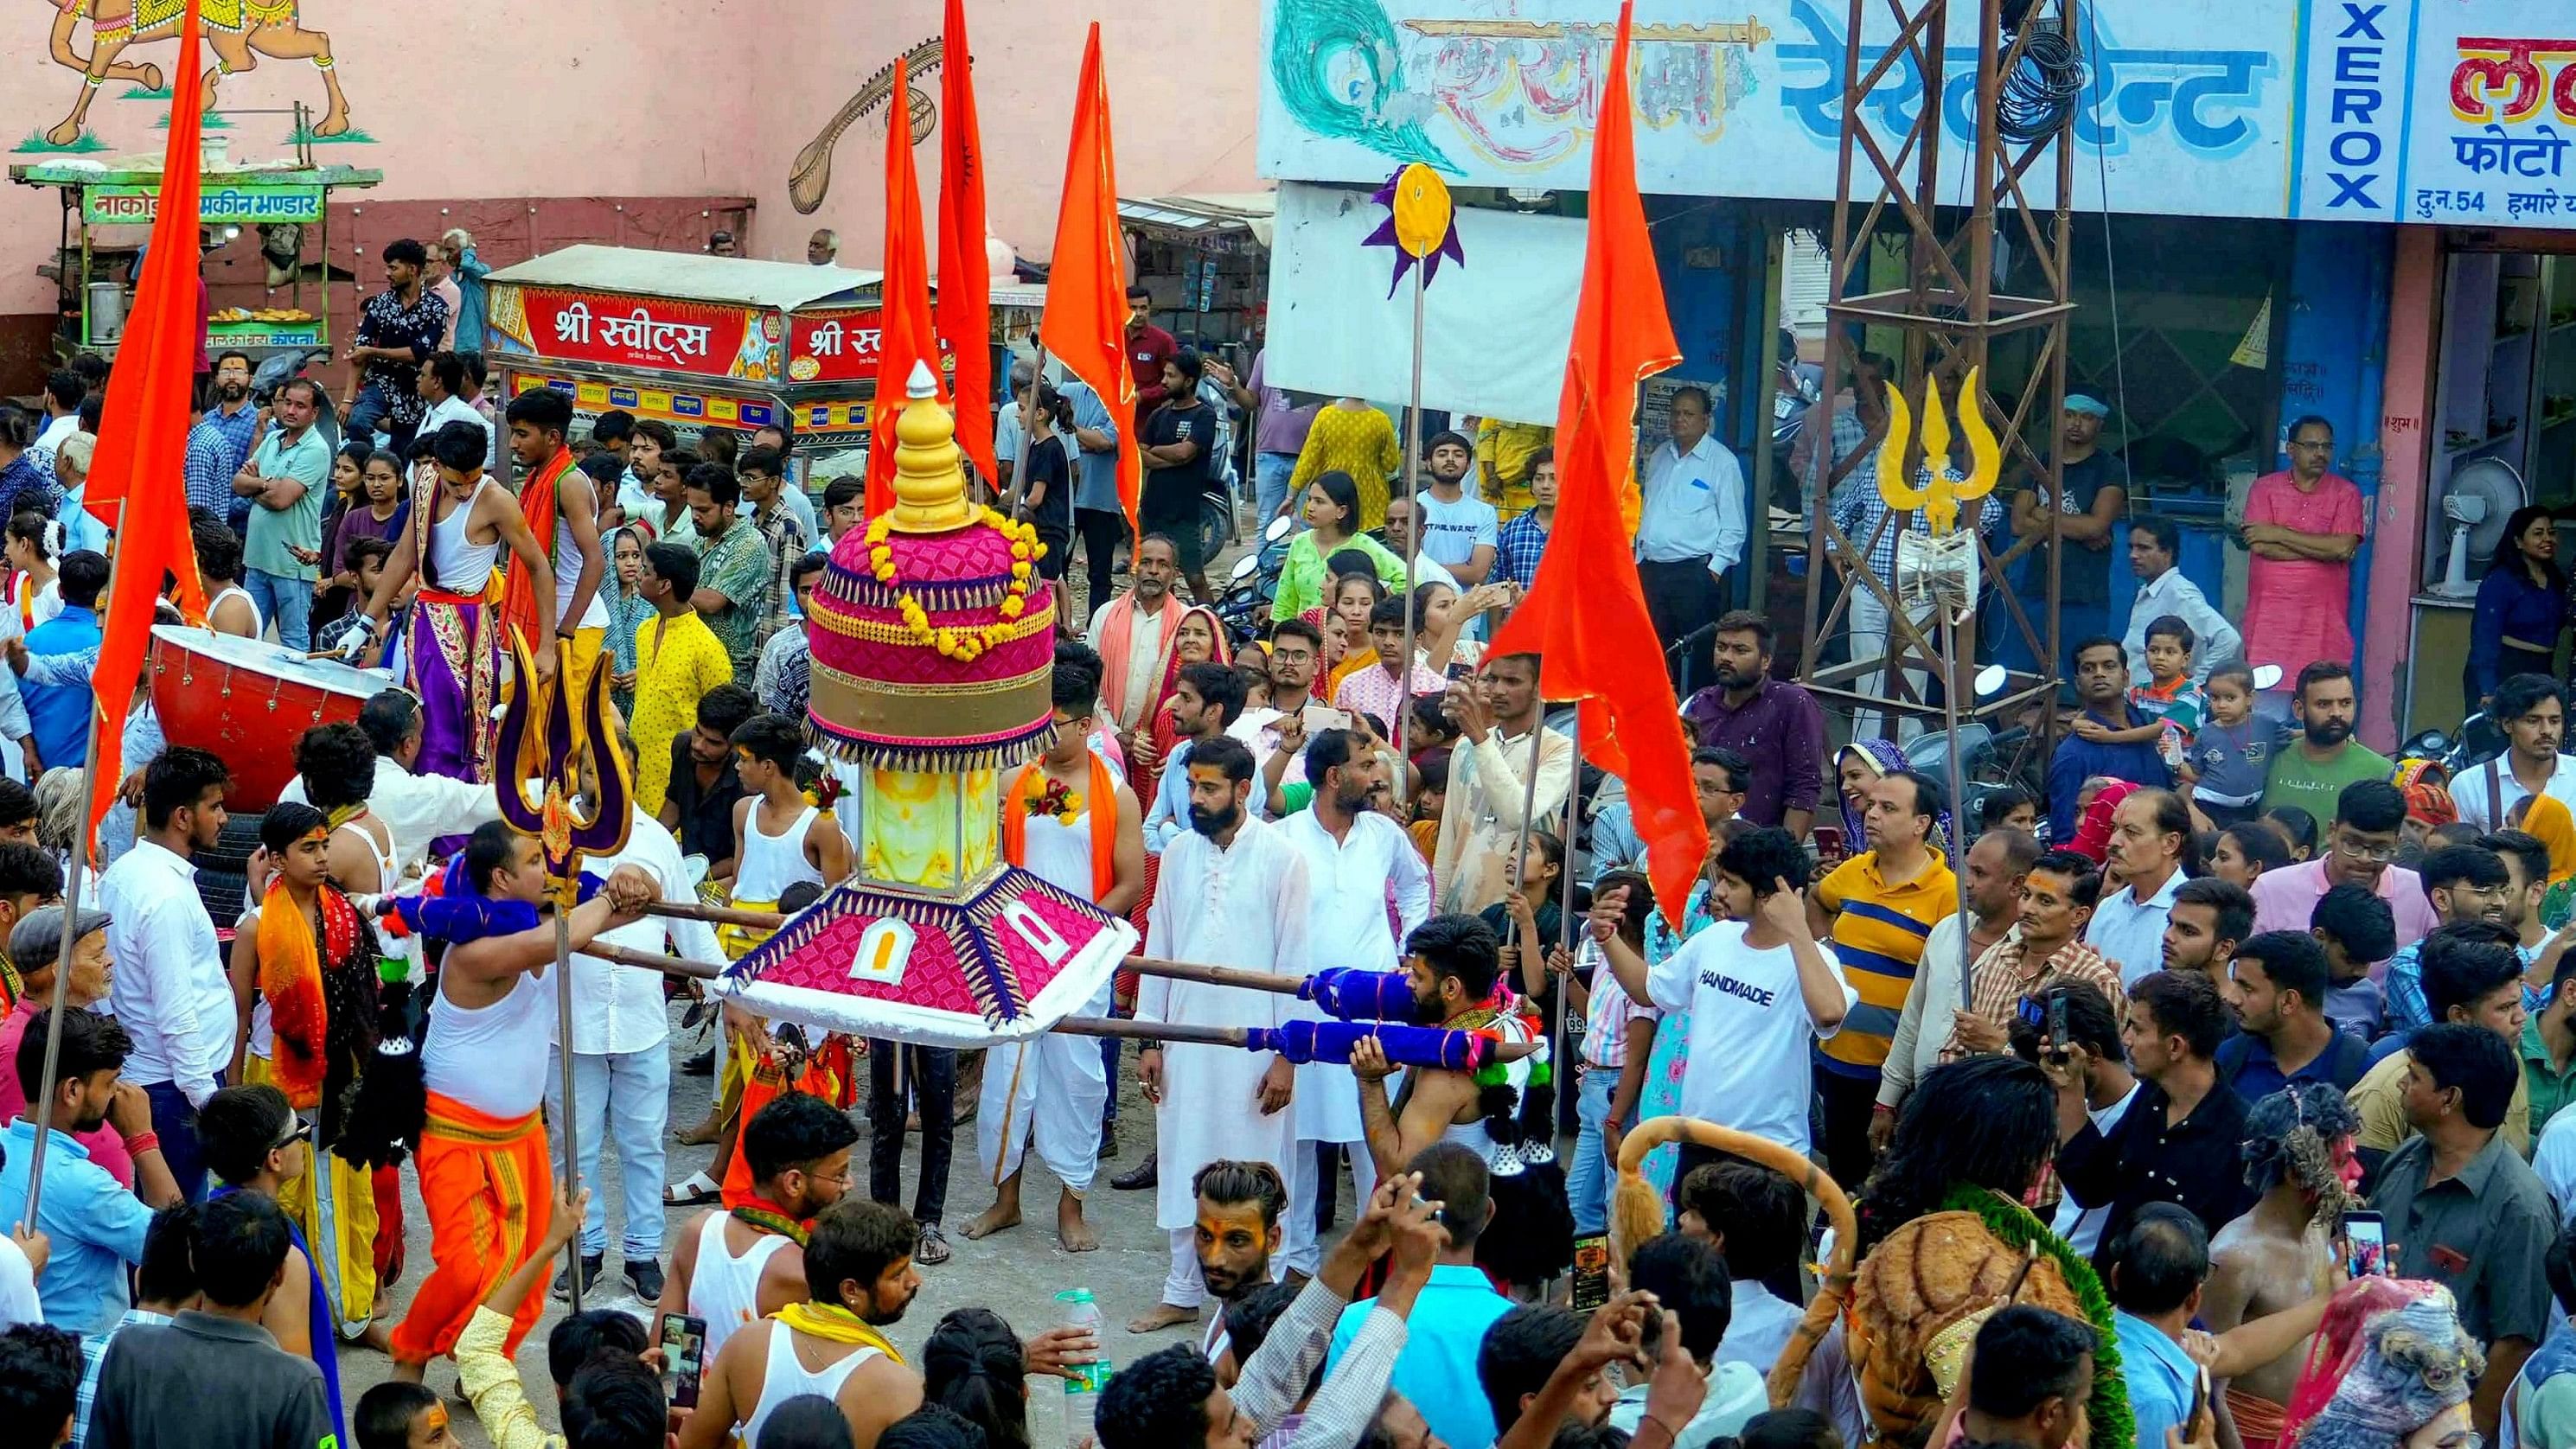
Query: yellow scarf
<point x="835" y="1324"/>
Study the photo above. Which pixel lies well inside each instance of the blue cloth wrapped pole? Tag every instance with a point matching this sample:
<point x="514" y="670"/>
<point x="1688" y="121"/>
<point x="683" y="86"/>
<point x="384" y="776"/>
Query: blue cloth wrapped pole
<point x="1354" y="995"/>
<point x="1407" y="1046"/>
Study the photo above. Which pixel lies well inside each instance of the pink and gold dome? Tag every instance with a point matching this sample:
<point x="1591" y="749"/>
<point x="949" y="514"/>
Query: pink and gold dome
<point x="934" y="637"/>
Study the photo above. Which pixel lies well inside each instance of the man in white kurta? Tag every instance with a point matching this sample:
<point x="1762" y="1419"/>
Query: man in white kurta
<point x="1233" y="892"/>
<point x="1355" y="854"/>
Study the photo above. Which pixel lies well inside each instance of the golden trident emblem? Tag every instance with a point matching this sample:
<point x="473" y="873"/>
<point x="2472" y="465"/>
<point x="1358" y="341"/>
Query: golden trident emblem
<point x="1945" y="489"/>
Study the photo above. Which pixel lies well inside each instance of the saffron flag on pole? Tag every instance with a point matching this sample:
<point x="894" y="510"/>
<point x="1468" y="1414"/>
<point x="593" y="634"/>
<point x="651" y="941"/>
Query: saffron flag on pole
<point x="136" y="480"/>
<point x="965" y="301"/>
<point x="1085" y="326"/>
<point x="1585" y="614"/>
<point x="909" y="335"/>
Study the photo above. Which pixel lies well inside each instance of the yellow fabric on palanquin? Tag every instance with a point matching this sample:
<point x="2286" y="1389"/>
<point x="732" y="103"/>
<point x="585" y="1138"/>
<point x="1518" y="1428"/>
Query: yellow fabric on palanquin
<point x="677" y="661"/>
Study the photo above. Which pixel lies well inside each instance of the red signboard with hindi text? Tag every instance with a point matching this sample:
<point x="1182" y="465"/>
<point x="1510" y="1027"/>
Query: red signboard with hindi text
<point x="837" y="346"/>
<point x="709" y="339"/>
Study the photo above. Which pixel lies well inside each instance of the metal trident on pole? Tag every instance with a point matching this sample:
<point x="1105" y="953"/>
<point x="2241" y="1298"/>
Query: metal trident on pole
<point x="545" y="740"/>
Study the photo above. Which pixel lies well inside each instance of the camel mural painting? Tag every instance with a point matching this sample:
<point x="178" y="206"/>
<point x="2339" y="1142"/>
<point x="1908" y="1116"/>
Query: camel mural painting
<point x="238" y="31"/>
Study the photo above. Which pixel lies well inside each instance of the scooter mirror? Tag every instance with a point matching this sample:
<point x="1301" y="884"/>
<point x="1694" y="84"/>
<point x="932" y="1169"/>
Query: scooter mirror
<point x="1991" y="680"/>
<point x="1279" y="528"/>
<point x="1244" y="568"/>
<point x="2267" y="676"/>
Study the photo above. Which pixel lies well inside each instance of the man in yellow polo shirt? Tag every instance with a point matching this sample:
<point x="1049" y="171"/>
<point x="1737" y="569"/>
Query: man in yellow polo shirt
<point x="1879" y="908"/>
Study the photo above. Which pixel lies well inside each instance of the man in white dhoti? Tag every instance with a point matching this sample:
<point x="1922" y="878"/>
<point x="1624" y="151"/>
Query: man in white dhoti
<point x="1353" y="854"/>
<point x="1232" y="893"/>
<point x="1067" y="819"/>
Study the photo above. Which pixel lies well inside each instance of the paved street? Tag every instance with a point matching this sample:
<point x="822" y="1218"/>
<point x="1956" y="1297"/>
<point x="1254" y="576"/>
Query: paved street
<point x="1017" y="1273"/>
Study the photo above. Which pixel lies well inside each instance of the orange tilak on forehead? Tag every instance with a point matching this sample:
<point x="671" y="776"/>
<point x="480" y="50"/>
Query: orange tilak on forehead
<point x="437" y="1414"/>
<point x="1216" y="1219"/>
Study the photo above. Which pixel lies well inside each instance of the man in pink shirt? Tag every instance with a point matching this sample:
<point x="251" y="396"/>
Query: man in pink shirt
<point x="2303" y="527"/>
<point x="2360" y="848"/>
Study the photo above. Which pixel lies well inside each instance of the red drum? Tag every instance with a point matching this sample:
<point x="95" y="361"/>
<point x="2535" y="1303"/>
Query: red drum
<point x="249" y="700"/>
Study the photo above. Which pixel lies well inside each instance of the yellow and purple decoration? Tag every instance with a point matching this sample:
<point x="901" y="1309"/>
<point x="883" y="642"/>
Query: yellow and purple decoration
<point x="1421" y="224"/>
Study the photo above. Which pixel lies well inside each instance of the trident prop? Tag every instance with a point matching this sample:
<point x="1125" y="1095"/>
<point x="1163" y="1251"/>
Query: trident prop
<point x="544" y="741"/>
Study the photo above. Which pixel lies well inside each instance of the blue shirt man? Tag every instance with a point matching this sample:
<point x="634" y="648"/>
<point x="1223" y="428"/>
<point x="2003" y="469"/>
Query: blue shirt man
<point x="1436" y="1372"/>
<point x="2102" y="684"/>
<point x="96" y="1226"/>
<point x="60" y="711"/>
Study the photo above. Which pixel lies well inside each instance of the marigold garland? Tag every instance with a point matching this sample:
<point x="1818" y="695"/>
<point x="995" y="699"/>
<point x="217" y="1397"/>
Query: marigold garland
<point x="2017" y="1228"/>
<point x="963" y="645"/>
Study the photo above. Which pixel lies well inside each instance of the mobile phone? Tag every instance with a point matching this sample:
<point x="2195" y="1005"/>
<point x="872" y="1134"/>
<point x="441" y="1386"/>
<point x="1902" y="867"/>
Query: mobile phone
<point x="2057" y="1020"/>
<point x="2365" y="1244"/>
<point x="1591" y="1271"/>
<point x="684" y="1351"/>
<point x="1323" y="717"/>
<point x="1829" y="840"/>
<point x="2199" y="1399"/>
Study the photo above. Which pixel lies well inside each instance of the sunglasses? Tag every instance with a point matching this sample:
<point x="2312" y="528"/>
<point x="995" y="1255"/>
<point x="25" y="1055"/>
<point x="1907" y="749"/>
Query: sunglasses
<point x="297" y="1130"/>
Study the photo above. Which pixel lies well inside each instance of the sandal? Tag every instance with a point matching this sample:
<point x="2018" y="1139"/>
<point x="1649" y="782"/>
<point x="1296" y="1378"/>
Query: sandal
<point x="932" y="1248"/>
<point x="691" y="1191"/>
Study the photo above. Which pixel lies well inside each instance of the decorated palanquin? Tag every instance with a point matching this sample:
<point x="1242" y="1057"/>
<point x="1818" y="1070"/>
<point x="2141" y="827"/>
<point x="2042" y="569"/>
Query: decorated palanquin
<point x="933" y="648"/>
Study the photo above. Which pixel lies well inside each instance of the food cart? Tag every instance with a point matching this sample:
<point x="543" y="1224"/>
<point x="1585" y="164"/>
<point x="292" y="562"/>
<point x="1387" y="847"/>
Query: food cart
<point x="120" y="198"/>
<point x="703" y="342"/>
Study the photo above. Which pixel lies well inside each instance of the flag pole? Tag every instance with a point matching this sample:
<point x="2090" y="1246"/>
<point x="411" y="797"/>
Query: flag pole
<point x="1402" y="723"/>
<point x="44" y="1104"/>
<point x="571" y="1115"/>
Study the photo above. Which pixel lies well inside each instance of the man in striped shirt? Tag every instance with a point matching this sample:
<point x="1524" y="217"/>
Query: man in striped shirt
<point x="1879" y="907"/>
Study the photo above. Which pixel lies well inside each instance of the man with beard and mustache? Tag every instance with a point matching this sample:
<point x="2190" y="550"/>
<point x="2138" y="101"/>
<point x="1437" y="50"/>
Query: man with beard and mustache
<point x="1775" y="725"/>
<point x="1233" y="892"/>
<point x="2299" y="1160"/>
<point x="233" y="416"/>
<point x="96" y="1226"/>
<point x="858" y="1269"/>
<point x="735" y="1267"/>
<point x="2313" y="771"/>
<point x="1355" y="854"/>
<point x="1238" y="1233"/>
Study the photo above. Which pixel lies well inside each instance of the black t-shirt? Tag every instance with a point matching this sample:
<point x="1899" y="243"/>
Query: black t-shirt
<point x="706" y="816"/>
<point x="2085" y="577"/>
<point x="1171" y="489"/>
<point x="1049" y="468"/>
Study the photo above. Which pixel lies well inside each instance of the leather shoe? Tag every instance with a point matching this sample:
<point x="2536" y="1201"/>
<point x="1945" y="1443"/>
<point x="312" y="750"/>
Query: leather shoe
<point x="1142" y="1175"/>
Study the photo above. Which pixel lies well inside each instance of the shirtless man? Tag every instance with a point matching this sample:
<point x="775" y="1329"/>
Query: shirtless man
<point x="733" y="1268"/>
<point x="2298" y="1152"/>
<point x="561" y="506"/>
<point x="860" y="1278"/>
<point x="1451" y="961"/>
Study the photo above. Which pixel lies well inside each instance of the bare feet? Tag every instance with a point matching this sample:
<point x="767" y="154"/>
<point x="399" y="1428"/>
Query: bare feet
<point x="409" y="1373"/>
<point x="1164" y="1316"/>
<point x="702" y="1134"/>
<point x="378" y="1337"/>
<point x="1070" y="1230"/>
<point x="996" y="1218"/>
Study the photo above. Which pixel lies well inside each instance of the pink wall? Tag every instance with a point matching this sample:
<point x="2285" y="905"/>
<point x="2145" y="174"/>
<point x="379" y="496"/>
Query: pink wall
<point x="2406" y="410"/>
<point x="681" y="98"/>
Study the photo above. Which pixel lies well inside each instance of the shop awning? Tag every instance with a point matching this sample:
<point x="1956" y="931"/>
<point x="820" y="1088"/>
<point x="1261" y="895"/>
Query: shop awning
<point x="640" y="271"/>
<point x="1197" y="216"/>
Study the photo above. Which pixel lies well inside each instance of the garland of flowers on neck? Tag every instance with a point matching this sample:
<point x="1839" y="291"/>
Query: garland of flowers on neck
<point x="963" y="645"/>
<point x="2114" y="1426"/>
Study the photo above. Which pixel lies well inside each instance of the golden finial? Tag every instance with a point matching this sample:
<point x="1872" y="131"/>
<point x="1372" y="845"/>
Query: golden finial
<point x="929" y="476"/>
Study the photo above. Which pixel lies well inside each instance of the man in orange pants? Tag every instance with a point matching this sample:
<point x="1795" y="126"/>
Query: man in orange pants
<point x="482" y="1154"/>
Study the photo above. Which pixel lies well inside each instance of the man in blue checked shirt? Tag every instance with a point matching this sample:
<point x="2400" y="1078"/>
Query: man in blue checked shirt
<point x="1524" y="537"/>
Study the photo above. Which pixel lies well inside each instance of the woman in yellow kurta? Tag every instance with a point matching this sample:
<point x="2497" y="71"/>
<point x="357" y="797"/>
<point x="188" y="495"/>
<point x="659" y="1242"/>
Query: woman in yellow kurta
<point x="1355" y="438"/>
<point x="677" y="660"/>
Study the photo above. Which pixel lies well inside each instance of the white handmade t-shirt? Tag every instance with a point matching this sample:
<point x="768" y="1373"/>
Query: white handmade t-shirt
<point x="1749" y="1031"/>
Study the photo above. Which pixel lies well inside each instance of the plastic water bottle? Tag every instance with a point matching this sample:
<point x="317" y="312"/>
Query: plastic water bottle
<point x="1082" y="1391"/>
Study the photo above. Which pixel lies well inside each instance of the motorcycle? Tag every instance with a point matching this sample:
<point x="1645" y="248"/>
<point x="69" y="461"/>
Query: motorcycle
<point x="1253" y="582"/>
<point x="2479" y="740"/>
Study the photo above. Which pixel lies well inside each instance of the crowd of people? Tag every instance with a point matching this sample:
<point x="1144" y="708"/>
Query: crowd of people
<point x="2128" y="1072"/>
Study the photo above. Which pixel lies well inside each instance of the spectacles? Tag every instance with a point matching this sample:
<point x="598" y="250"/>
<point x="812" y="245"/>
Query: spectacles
<point x="297" y="1130"/>
<point x="2374" y="854"/>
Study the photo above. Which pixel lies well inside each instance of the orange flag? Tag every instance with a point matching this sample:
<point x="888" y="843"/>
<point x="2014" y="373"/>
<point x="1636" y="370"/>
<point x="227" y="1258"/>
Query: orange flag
<point x="136" y="481"/>
<point x="909" y="336"/>
<point x="1585" y="614"/>
<point x="1085" y="326"/>
<point x="965" y="301"/>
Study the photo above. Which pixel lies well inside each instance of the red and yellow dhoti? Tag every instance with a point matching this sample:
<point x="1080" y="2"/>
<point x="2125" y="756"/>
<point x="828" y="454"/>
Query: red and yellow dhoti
<point x="487" y="1184"/>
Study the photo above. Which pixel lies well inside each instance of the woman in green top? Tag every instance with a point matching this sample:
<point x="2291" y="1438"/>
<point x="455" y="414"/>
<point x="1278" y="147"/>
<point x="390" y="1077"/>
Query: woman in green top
<point x="1332" y="512"/>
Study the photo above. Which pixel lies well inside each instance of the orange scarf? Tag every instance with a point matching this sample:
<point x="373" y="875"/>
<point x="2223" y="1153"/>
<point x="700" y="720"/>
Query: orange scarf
<point x="1114" y="622"/>
<point x="527" y="604"/>
<point x="1102" y="807"/>
<point x="290" y="977"/>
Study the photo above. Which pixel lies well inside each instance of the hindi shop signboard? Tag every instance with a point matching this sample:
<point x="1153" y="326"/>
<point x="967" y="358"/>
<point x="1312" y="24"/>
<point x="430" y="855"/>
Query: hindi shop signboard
<point x="139" y="205"/>
<point x="841" y="345"/>
<point x="656" y="333"/>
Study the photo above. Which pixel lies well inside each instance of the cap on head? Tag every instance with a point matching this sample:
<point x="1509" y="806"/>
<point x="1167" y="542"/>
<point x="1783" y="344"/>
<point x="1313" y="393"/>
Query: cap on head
<point x="2077" y="402"/>
<point x="38" y="936"/>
